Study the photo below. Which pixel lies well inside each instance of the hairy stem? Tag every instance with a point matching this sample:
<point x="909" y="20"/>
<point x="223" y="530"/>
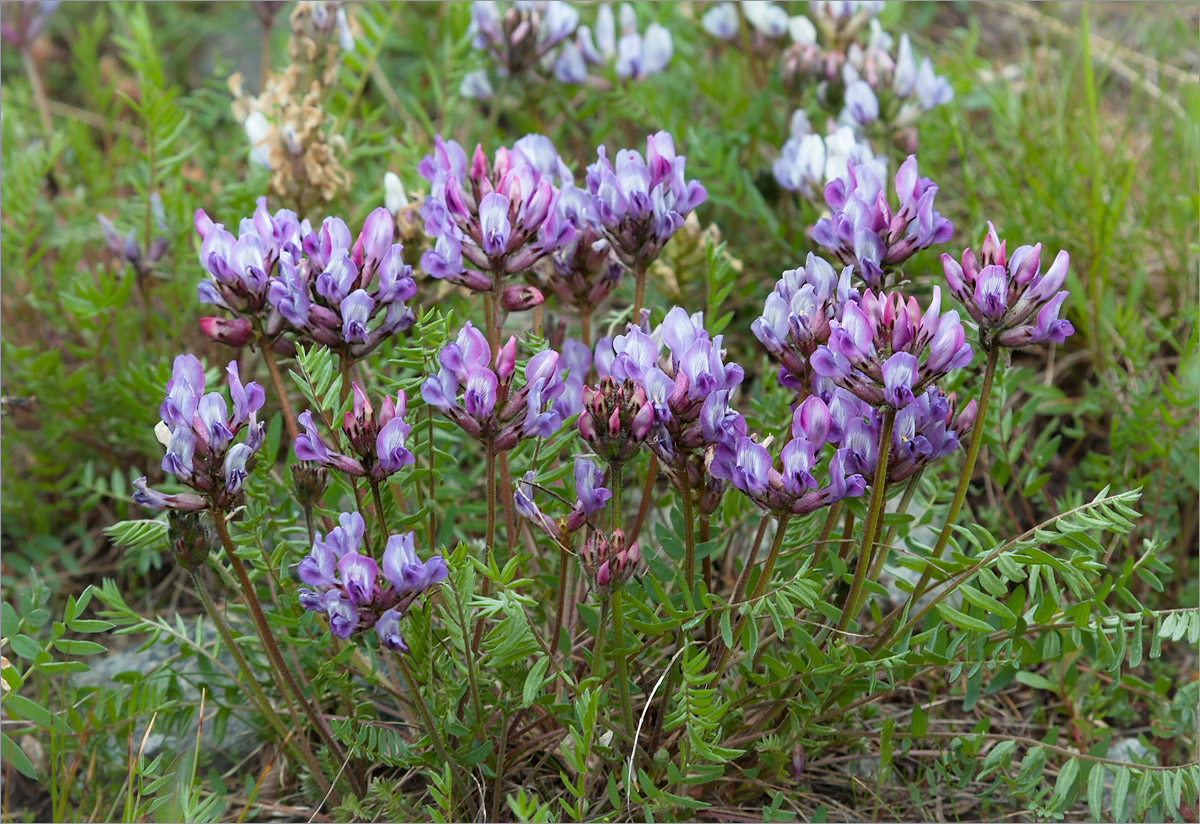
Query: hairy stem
<point x="285" y="405"/>
<point x="618" y="619"/>
<point x="564" y="558"/>
<point x="427" y="722"/>
<point x="689" y="541"/>
<point x="874" y="513"/>
<point x="490" y="535"/>
<point x="272" y="649"/>
<point x="257" y="695"/>
<point x="706" y="574"/>
<point x="964" y="477"/>
<point x="884" y="547"/>
<point x="639" y="293"/>
<point x="383" y="527"/>
<point x="760" y="587"/>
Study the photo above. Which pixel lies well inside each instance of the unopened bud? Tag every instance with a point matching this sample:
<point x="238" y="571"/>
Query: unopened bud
<point x="519" y="296"/>
<point x="310" y="481"/>
<point x="231" y="332"/>
<point x="190" y="541"/>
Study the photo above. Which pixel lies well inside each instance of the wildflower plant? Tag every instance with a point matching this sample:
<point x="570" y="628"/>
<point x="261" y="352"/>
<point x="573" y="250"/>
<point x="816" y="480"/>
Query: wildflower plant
<point x="543" y="543"/>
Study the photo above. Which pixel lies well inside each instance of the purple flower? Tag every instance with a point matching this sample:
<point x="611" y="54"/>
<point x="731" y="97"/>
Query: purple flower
<point x="405" y="571"/>
<point x="388" y="629"/>
<point x="198" y="434"/>
<point x="861" y="355"/>
<point x="747" y="465"/>
<point x="590" y="495"/>
<point x="491" y="406"/>
<point x="524" y="35"/>
<point x="862" y="229"/>
<point x="344" y="583"/>
<point x="639" y="204"/>
<point x="1013" y="302"/>
<point x="377" y="442"/>
<point x="493" y="221"/>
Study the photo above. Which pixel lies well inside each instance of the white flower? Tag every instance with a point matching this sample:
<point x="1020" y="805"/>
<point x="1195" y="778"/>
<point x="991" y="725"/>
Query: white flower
<point x="476" y="85"/>
<point x="394" y="196"/>
<point x="802" y="30"/>
<point x="258" y="131"/>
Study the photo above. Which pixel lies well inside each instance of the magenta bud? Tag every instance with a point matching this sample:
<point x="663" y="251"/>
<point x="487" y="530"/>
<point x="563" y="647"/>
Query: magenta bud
<point x="519" y="296"/>
<point x="479" y="164"/>
<point x="603" y="578"/>
<point x="506" y="359"/>
<point x="235" y="332"/>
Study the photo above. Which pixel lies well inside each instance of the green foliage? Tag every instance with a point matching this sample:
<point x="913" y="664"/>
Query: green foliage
<point x="1042" y="674"/>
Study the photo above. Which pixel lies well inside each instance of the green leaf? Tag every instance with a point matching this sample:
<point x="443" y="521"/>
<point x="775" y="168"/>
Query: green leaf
<point x="70" y="646"/>
<point x="25" y="647"/>
<point x="920" y="721"/>
<point x="986" y="602"/>
<point x="1065" y="785"/>
<point x="1095" y="790"/>
<point x="89" y="625"/>
<point x="963" y="620"/>
<point x="1040" y="682"/>
<point x="14" y="755"/>
<point x="533" y="681"/>
<point x="22" y="707"/>
<point x="1120" y="794"/>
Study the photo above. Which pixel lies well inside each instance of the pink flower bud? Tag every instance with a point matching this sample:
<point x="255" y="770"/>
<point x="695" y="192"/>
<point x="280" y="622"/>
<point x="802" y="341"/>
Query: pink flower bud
<point x="506" y="359"/>
<point x="520" y="296"/>
<point x="235" y="332"/>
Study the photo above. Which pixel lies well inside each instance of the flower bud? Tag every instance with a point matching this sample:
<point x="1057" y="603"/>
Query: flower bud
<point x="229" y="331"/>
<point x="519" y="296"/>
<point x="189" y="540"/>
<point x="310" y="479"/>
<point x="615" y="419"/>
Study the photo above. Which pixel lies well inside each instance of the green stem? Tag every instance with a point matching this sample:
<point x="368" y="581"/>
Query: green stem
<point x="257" y="695"/>
<point x="490" y="536"/>
<point x="427" y="722"/>
<point x="564" y="558"/>
<point x="740" y="585"/>
<point x="639" y="293"/>
<point x="768" y="567"/>
<point x="884" y="547"/>
<point x="689" y="541"/>
<point x="278" y="666"/>
<point x="964" y="477"/>
<point x="285" y="405"/>
<point x="598" y="646"/>
<point x="618" y="619"/>
<point x="383" y="527"/>
<point x="874" y="512"/>
<point x="706" y="575"/>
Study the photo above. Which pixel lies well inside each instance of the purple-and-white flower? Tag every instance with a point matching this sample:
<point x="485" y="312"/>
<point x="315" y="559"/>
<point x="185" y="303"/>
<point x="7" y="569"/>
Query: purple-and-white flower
<point x="378" y="444"/>
<point x="639" y="203"/>
<point x="477" y="391"/>
<point x="198" y="432"/>
<point x="1012" y="300"/>
<point x="864" y="231"/>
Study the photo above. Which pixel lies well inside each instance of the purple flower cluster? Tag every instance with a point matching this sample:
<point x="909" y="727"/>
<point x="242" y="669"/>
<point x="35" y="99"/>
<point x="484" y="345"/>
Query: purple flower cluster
<point x="926" y="430"/>
<point x="616" y="418"/>
<point x="327" y="286"/>
<point x="795" y="488"/>
<point x="633" y="56"/>
<point x="583" y="273"/>
<point x="862" y="229"/>
<point x="28" y="20"/>
<point x="607" y="562"/>
<point x="1002" y="293"/>
<point x="688" y="390"/>
<point x="198" y="431"/>
<point x="797" y="315"/>
<point x="342" y="583"/>
<point x="476" y="391"/>
<point x="377" y="442"/>
<point x="523" y="38"/>
<point x="591" y="496"/>
<point x="507" y="221"/>
<point x="886" y="352"/>
<point x="638" y="204"/>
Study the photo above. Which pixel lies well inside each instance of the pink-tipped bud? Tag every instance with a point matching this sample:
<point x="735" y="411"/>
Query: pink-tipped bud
<point x="614" y="423"/>
<point x="506" y="359"/>
<point x="520" y="296"/>
<point x="603" y="578"/>
<point x="202" y="222"/>
<point x="479" y="164"/>
<point x="231" y="332"/>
